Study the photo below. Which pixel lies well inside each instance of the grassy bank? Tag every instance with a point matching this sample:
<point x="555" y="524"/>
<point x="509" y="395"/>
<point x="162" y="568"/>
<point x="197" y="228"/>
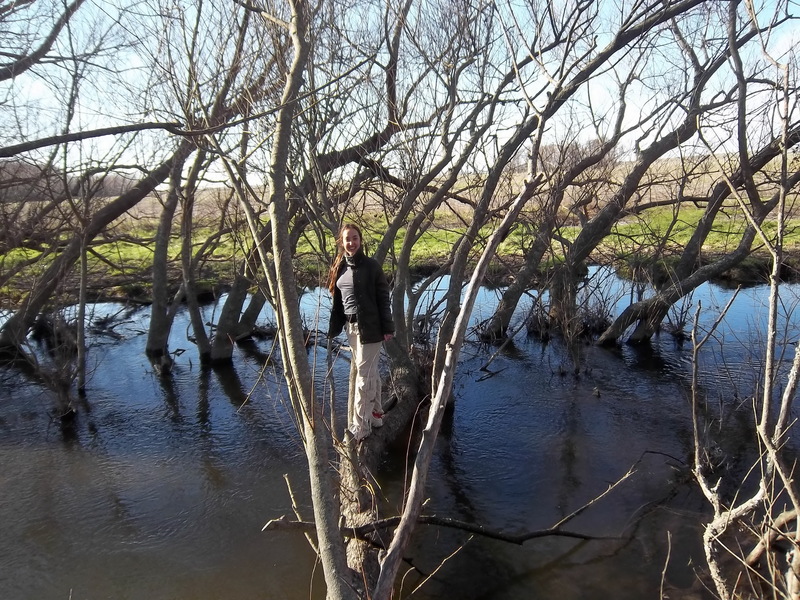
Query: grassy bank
<point x="649" y="243"/>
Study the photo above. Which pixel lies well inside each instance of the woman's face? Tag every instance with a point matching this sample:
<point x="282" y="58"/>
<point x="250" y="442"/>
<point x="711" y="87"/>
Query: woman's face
<point x="351" y="241"/>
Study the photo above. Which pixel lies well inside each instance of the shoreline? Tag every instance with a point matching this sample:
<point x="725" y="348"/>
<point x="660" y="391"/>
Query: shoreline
<point x="135" y="287"/>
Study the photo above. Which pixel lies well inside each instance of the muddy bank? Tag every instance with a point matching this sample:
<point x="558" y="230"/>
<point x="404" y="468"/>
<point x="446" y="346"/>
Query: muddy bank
<point x="753" y="270"/>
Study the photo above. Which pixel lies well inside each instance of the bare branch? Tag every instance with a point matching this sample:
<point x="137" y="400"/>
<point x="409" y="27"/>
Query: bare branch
<point x="364" y="532"/>
<point x="9" y="71"/>
<point x="78" y="136"/>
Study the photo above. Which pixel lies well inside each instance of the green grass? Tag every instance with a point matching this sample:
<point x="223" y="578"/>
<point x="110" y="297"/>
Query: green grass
<point x="635" y="240"/>
<point x="660" y="228"/>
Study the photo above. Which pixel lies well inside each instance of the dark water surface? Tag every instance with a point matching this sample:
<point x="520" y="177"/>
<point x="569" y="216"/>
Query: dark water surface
<point x="163" y="489"/>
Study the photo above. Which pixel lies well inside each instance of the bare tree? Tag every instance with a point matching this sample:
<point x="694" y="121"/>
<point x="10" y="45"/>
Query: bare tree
<point x="747" y="172"/>
<point x="310" y="115"/>
<point x="741" y="540"/>
<point x="34" y="31"/>
<point x="64" y="50"/>
<point x="465" y="128"/>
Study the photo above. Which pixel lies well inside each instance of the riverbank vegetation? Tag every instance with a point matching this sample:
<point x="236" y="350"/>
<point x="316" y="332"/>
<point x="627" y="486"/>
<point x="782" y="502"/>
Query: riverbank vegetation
<point x="642" y="246"/>
<point x="470" y="140"/>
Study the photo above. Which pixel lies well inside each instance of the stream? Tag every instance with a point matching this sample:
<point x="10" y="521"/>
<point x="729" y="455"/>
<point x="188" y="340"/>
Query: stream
<point x="162" y="488"/>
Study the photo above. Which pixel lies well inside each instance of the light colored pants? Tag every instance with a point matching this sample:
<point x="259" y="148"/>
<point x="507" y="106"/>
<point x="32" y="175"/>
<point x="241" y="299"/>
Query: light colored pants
<point x="367" y="392"/>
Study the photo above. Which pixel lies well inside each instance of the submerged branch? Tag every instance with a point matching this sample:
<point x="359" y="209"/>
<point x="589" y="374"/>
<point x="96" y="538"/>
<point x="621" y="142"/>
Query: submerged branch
<point x="362" y="532"/>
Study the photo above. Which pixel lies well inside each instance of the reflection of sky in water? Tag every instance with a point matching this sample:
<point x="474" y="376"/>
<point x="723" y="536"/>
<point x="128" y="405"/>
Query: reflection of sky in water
<point x="527" y="443"/>
<point x="746" y="317"/>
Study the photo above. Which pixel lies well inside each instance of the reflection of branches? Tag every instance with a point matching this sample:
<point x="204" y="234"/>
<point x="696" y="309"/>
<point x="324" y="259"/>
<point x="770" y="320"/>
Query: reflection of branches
<point x="770" y="465"/>
<point x="506" y="342"/>
<point x="430" y="575"/>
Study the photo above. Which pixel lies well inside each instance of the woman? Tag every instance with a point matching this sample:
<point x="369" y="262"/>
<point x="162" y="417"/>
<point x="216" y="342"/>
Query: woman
<point x="361" y="306"/>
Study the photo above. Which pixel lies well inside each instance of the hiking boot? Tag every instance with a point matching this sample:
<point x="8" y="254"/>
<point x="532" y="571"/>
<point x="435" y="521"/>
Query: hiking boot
<point x="377" y="419"/>
<point x="356" y="436"/>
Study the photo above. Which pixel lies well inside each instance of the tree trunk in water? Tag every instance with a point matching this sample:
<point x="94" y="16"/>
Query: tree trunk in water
<point x="227" y="332"/>
<point x="497" y="326"/>
<point x="157" y="347"/>
<point x="280" y="272"/>
<point x="500" y="320"/>
<point x="192" y="303"/>
<point x="250" y="316"/>
<point x="235" y="324"/>
<point x="651" y="312"/>
<point x="563" y="297"/>
<point x="81" y="324"/>
<point x="442" y="391"/>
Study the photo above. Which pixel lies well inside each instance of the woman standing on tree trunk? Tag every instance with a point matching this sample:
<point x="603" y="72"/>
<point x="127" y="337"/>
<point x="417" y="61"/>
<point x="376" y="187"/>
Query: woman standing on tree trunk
<point x="361" y="306"/>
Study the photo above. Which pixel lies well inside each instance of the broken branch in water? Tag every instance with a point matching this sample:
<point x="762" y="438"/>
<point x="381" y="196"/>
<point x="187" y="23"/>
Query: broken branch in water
<point x="362" y="532"/>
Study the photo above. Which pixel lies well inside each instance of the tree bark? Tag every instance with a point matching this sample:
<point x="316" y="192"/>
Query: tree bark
<point x="189" y="279"/>
<point x="651" y="311"/>
<point x="226" y="331"/>
<point x="416" y="494"/>
<point x="157" y="346"/>
<point x="316" y="437"/>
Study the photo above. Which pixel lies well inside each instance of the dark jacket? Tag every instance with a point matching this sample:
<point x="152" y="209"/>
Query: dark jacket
<point x="374" y="318"/>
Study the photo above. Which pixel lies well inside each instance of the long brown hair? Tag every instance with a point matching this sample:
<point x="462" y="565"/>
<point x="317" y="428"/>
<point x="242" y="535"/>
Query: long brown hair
<point x="333" y="274"/>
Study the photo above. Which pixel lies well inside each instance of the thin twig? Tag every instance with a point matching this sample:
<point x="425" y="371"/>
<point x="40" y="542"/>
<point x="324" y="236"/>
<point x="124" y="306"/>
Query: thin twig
<point x="296" y="510"/>
<point x="666" y="564"/>
<point x="441" y="564"/>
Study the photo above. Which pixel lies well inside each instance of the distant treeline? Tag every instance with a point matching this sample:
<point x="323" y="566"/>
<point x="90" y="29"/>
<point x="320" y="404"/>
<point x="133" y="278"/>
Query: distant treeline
<point x="22" y="181"/>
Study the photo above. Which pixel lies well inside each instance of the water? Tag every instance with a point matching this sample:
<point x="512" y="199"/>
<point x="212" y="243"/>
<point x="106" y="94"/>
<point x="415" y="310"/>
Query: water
<point x="520" y="456"/>
<point x="164" y="488"/>
<point x="163" y="491"/>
